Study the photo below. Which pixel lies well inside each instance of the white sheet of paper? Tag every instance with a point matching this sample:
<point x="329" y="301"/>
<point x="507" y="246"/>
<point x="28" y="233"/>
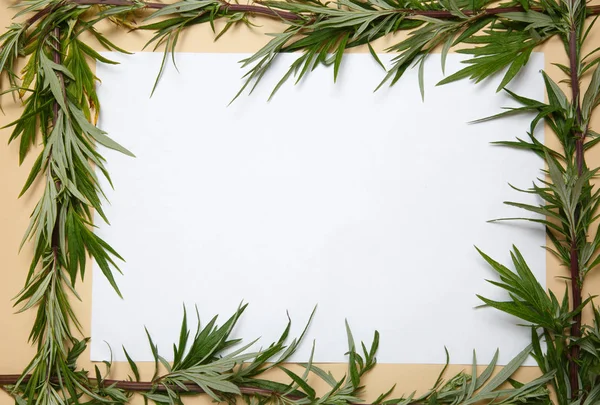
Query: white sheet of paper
<point x="367" y="204"/>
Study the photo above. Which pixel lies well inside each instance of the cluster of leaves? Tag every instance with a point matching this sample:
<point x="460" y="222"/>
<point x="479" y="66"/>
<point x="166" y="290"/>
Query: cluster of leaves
<point x="57" y="88"/>
<point x="569" y="207"/>
<point x="320" y="34"/>
<point x="210" y="363"/>
<point x="471" y="388"/>
<point x="550" y="320"/>
<point x="497" y="40"/>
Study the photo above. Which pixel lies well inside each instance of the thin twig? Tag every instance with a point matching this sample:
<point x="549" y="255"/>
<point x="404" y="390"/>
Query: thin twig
<point x="146" y="386"/>
<point x="55" y="242"/>
<point x="286" y="15"/>
<point x="575" y="332"/>
<point x="143" y="386"/>
<point x="246" y="8"/>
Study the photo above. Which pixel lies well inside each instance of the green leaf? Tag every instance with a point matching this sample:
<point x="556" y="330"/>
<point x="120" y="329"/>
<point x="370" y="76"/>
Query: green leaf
<point x="487" y="373"/>
<point x="421" y="78"/>
<point x="556" y="97"/>
<point x="51" y="80"/>
<point x="506" y="371"/>
<point x="96" y="133"/>
<point x="339" y="55"/>
<point x="590" y="98"/>
<point x="445" y="49"/>
<point x="374" y="55"/>
<point x="515" y="67"/>
<point x="133" y="366"/>
<point x="534" y="18"/>
<point x="33" y="174"/>
<point x="310" y="392"/>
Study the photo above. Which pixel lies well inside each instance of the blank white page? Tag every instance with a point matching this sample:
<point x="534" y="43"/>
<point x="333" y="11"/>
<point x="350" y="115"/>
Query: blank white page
<point x="367" y="204"/>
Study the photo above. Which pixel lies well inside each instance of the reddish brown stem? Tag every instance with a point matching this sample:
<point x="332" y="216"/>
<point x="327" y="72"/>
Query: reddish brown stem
<point x="575" y="94"/>
<point x="142" y="386"/>
<point x="55" y="242"/>
<point x="270" y="12"/>
<point x="575" y="332"/>
<point x="245" y="8"/>
<point x="56" y="56"/>
<point x="145" y="386"/>
<point x="576" y="326"/>
<point x="40" y="14"/>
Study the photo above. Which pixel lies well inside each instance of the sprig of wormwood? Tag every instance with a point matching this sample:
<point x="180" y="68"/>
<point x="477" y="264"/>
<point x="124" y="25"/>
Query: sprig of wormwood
<point x="61" y="106"/>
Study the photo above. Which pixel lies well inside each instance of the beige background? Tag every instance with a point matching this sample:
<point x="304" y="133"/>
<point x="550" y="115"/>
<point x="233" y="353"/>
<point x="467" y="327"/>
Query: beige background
<point x="15" y="352"/>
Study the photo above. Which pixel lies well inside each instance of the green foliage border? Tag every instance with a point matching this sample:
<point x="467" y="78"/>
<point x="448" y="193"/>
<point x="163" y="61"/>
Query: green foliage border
<point x="57" y="89"/>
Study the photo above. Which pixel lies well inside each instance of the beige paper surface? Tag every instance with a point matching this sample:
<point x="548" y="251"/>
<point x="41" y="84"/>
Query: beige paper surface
<point x="15" y="352"/>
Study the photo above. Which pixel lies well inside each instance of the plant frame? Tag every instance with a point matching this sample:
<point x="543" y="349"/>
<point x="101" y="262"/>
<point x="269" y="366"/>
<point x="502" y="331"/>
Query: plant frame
<point x="16" y="352"/>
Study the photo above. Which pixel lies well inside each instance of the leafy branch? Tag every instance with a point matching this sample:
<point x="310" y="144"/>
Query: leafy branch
<point x="210" y="363"/>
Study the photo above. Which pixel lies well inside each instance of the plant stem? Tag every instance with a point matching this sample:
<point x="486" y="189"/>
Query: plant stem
<point x="56" y="57"/>
<point x="55" y="242"/>
<point x="576" y="326"/>
<point x="146" y="386"/>
<point x="141" y="386"/>
<point x="286" y="15"/>
<point x="575" y="332"/>
<point x="49" y="337"/>
<point x="245" y="8"/>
